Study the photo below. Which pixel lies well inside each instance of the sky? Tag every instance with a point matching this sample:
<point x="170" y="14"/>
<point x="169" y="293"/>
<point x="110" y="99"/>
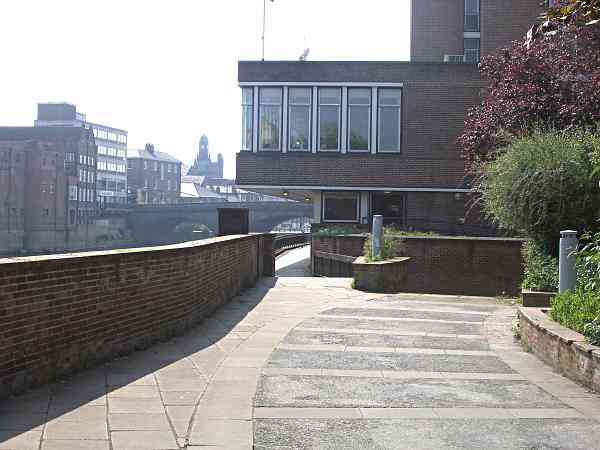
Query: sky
<point x="166" y="71"/>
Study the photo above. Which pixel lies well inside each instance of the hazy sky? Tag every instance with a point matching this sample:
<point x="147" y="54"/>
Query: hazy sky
<point x="166" y="70"/>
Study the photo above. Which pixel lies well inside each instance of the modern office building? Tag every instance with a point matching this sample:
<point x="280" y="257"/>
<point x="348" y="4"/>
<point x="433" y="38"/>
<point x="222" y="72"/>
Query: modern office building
<point x="463" y="30"/>
<point x="112" y="150"/>
<point x="47" y="189"/>
<point x="366" y="138"/>
<point x="153" y="177"/>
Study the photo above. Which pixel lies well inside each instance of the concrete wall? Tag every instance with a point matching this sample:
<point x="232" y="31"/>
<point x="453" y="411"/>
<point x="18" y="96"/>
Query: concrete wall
<point x="62" y="313"/>
<point x="441" y="265"/>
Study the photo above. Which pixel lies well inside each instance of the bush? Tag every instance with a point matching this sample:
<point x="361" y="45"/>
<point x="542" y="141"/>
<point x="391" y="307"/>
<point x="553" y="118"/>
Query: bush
<point x="576" y="309"/>
<point x="592" y="331"/>
<point x="588" y="262"/>
<point x="543" y="183"/>
<point x="387" y="248"/>
<point x="540" y="270"/>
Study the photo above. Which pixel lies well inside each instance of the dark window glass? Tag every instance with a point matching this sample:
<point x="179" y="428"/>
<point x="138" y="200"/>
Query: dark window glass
<point x="390" y="206"/>
<point x="270" y="118"/>
<point x="472" y="15"/>
<point x="340" y="206"/>
<point x="329" y="118"/>
<point x="247" y="117"/>
<point x="359" y="119"/>
<point x="299" y="117"/>
<point x="390" y="101"/>
<point x="472" y="50"/>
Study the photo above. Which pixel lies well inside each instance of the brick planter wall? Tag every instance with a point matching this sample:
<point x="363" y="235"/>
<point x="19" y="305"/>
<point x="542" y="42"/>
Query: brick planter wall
<point x="61" y="313"/>
<point x="444" y="265"/>
<point x="563" y="349"/>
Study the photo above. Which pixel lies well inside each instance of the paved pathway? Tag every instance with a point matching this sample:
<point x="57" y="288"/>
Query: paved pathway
<point x="304" y="363"/>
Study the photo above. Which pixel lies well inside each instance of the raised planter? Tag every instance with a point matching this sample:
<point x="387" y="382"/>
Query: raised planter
<point x="565" y="350"/>
<point x="382" y="276"/>
<point x="537" y="299"/>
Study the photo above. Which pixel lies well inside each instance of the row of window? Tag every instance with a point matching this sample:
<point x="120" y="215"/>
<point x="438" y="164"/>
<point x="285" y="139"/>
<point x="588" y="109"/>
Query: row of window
<point x="112" y="151"/>
<point x="86" y="176"/>
<point x="77" y="193"/>
<point x="108" y="185"/>
<point x="170" y="186"/>
<point x="109" y="135"/>
<point x="155" y="165"/>
<point x="83" y="216"/>
<point x="328" y="123"/>
<point x="112" y="166"/>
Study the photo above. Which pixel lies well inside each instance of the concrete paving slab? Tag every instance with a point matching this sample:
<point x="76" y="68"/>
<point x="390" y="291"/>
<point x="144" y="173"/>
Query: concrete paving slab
<point x="424" y="434"/>
<point x="16" y="440"/>
<point x="299" y="391"/>
<point x="138" y="422"/>
<point x="143" y="440"/>
<point x="81" y="430"/>
<point x="224" y="433"/>
<point x="135" y="405"/>
<point x="75" y="445"/>
<point x="401" y="313"/>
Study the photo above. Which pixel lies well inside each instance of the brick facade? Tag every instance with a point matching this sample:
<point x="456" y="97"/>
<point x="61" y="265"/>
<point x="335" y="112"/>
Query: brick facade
<point x="437" y="26"/>
<point x="67" y="312"/>
<point x="48" y="177"/>
<point x="440" y="265"/>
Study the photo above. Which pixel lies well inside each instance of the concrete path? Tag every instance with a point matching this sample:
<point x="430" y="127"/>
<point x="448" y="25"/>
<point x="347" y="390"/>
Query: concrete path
<point x="304" y="363"/>
<point x="295" y="263"/>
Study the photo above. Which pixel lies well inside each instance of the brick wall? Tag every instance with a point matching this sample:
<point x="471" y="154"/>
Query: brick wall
<point x="445" y="265"/>
<point x="62" y="313"/>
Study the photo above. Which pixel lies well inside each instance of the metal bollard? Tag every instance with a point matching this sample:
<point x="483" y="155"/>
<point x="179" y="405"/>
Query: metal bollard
<point x="567" y="274"/>
<point x="377" y="235"/>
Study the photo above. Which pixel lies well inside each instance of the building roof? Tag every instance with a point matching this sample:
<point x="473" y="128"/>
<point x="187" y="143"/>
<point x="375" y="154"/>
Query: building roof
<point x="29" y="133"/>
<point x="153" y="156"/>
<point x="354" y="71"/>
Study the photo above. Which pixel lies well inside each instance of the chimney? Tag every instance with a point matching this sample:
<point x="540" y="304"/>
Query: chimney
<point x="150" y="148"/>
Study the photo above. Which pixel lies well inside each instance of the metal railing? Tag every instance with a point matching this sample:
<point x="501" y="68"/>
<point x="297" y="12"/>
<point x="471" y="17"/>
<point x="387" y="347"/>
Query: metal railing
<point x="288" y="241"/>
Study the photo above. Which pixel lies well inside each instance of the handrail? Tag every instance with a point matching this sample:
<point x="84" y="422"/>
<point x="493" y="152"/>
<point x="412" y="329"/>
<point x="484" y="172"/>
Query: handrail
<point x="287" y="241"/>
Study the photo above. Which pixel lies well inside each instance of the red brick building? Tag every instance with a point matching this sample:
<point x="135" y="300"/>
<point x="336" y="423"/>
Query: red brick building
<point x="366" y="138"/>
<point x="47" y="189"/>
<point x="153" y="177"/>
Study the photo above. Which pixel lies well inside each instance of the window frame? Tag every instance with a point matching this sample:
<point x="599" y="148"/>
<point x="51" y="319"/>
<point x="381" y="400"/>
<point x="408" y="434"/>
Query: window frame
<point x="289" y="118"/>
<point x="478" y="30"/>
<point x="476" y="61"/>
<point x="370" y="115"/>
<point x="251" y="108"/>
<point x="260" y="107"/>
<point x="339" y="119"/>
<point x="358" y="196"/>
<point x="400" y="107"/>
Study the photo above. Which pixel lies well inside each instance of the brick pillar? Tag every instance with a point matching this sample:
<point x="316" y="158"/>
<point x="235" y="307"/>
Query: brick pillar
<point x="267" y="254"/>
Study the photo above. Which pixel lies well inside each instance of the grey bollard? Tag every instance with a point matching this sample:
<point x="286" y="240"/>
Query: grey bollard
<point x="377" y="235"/>
<point x="567" y="274"/>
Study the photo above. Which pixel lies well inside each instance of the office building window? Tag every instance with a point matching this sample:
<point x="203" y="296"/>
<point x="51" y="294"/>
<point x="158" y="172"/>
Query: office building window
<point x="390" y="205"/>
<point x="270" y="118"/>
<point x="329" y="118"/>
<point x="73" y="192"/>
<point x="247" y="117"/>
<point x="390" y="114"/>
<point x="471" y="15"/>
<point x="359" y="119"/>
<point x="341" y="206"/>
<point x="300" y="105"/>
<point x="472" y="50"/>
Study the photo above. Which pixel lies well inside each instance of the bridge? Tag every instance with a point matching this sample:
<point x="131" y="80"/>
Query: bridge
<point x="165" y="224"/>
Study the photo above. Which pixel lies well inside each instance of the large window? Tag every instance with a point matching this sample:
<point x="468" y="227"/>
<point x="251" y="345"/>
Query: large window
<point x="247" y="118"/>
<point x="391" y="206"/>
<point x="270" y="118"/>
<point x="390" y="113"/>
<point x="299" y="104"/>
<point x="329" y="118"/>
<point x="359" y="119"/>
<point x="341" y="206"/>
<point x="471" y="15"/>
<point x="472" y="50"/>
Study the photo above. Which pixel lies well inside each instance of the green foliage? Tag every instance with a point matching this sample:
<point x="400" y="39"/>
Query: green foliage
<point x="337" y="231"/>
<point x="588" y="262"/>
<point x="387" y="248"/>
<point x="542" y="183"/>
<point x="576" y="309"/>
<point x="540" y="270"/>
<point x="591" y="331"/>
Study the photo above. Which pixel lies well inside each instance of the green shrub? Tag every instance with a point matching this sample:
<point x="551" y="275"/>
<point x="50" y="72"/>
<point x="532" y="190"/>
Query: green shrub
<point x="337" y="230"/>
<point x="543" y="183"/>
<point x="588" y="262"/>
<point x="387" y="248"/>
<point x="540" y="270"/>
<point x="592" y="331"/>
<point x="576" y="309"/>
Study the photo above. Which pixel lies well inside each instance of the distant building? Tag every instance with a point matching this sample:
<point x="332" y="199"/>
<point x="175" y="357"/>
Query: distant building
<point x="203" y="164"/>
<point x="112" y="150"/>
<point x="153" y="177"/>
<point x="47" y="189"/>
<point x="463" y="30"/>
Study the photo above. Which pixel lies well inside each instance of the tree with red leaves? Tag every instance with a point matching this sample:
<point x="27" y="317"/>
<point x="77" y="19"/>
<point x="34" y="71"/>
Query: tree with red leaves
<point x="552" y="81"/>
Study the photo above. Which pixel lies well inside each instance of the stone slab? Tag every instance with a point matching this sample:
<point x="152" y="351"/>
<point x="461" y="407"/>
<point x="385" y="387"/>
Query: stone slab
<point x="404" y="314"/>
<point x="339" y="392"/>
<point x="387" y="361"/>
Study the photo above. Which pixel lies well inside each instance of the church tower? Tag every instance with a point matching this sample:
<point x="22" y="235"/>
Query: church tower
<point x="203" y="165"/>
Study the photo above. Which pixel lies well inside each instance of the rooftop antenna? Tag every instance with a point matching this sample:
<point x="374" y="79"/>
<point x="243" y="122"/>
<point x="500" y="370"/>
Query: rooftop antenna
<point x="264" y="26"/>
<point x="304" y="54"/>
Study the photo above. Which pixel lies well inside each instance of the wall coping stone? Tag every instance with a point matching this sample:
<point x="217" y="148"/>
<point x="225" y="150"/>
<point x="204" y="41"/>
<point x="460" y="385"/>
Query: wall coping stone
<point x="361" y="261"/>
<point x="122" y="251"/>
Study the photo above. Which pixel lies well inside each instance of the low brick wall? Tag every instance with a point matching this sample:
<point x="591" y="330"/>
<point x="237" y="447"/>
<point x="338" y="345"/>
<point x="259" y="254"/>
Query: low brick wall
<point x="61" y="313"/>
<point x="563" y="349"/>
<point x="445" y="265"/>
